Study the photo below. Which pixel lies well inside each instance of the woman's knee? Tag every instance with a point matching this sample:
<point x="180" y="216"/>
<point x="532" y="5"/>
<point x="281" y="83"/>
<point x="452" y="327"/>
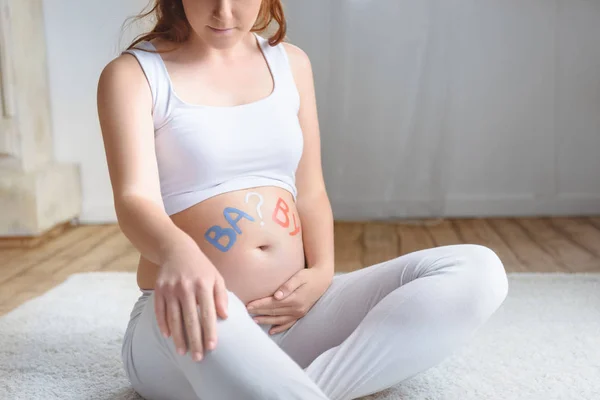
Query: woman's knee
<point x="235" y="304"/>
<point x="486" y="278"/>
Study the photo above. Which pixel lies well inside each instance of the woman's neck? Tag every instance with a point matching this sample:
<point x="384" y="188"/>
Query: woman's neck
<point x="196" y="48"/>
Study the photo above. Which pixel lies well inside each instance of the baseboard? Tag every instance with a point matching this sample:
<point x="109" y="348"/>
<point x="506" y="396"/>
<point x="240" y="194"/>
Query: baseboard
<point x="457" y="206"/>
<point x="28" y="242"/>
<point x="522" y="206"/>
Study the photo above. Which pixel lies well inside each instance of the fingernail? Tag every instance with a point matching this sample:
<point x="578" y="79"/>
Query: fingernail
<point x="197" y="356"/>
<point x="255" y="320"/>
<point x="165" y="335"/>
<point x="181" y="351"/>
<point x="279" y="294"/>
<point x="211" y="345"/>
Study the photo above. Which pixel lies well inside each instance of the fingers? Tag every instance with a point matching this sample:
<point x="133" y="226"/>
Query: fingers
<point x="282" y="328"/>
<point x="268" y="303"/>
<point x="287" y="310"/>
<point x="161" y="313"/>
<point x="270" y="306"/>
<point x="288" y="288"/>
<point x="208" y="315"/>
<point x="221" y="299"/>
<point x="175" y="323"/>
<point x="192" y="328"/>
<point x="192" y="325"/>
<point x="278" y="320"/>
<point x="292" y="284"/>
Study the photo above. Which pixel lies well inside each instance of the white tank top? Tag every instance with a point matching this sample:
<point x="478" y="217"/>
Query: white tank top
<point x="203" y="151"/>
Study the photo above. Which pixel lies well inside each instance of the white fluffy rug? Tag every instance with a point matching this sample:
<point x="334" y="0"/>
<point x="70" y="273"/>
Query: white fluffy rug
<point x="543" y="343"/>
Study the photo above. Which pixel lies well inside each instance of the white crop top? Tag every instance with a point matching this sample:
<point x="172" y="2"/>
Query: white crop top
<point x="203" y="151"/>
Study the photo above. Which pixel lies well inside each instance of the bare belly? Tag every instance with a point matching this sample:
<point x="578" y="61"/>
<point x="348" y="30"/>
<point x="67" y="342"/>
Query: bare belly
<point x="253" y="237"/>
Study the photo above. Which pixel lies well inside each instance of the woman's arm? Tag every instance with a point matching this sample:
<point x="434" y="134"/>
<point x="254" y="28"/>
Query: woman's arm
<point x="314" y="208"/>
<point x="186" y="278"/>
<point x="124" y="109"/>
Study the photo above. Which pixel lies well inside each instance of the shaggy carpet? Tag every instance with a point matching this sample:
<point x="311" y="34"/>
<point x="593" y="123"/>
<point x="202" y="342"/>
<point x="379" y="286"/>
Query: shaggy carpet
<point x="543" y="343"/>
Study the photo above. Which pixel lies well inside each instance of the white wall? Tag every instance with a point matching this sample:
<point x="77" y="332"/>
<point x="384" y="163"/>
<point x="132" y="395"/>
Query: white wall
<point x="427" y="108"/>
<point x="82" y="37"/>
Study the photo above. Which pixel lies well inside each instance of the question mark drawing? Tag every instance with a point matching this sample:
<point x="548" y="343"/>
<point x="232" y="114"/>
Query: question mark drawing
<point x="258" y="205"/>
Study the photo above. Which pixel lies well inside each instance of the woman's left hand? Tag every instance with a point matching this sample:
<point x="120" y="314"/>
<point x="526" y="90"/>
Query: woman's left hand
<point x="292" y="300"/>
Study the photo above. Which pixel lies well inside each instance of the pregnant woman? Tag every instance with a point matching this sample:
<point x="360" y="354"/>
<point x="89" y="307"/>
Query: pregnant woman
<point x="213" y="149"/>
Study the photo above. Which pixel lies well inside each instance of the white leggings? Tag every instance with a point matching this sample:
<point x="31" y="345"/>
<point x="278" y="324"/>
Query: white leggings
<point x="372" y="329"/>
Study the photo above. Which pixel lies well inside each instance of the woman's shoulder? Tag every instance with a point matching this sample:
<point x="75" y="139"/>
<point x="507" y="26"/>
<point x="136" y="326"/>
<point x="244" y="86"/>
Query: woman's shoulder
<point x="299" y="62"/>
<point x="297" y="56"/>
<point x="123" y="76"/>
<point x="123" y="67"/>
<point x="136" y="62"/>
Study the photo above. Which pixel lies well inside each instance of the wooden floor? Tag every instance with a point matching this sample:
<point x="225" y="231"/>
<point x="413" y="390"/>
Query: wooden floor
<point x="524" y="245"/>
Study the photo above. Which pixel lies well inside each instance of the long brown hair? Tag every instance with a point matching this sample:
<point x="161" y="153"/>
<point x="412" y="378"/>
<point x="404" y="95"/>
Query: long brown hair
<point x="173" y="26"/>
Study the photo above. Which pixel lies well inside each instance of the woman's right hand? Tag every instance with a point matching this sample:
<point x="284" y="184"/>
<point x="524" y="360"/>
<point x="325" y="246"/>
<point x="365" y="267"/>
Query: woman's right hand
<point x="186" y="279"/>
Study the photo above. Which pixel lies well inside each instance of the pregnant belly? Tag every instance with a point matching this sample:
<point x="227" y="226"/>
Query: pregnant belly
<point x="252" y="236"/>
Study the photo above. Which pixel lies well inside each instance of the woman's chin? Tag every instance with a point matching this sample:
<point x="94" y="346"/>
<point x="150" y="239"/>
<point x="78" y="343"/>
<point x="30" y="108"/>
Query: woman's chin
<point x="222" y="39"/>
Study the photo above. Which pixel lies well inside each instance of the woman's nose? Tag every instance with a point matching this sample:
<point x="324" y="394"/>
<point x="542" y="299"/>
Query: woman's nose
<point x="224" y="11"/>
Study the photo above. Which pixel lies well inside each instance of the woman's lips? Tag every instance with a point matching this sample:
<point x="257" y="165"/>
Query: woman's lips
<point x="220" y="30"/>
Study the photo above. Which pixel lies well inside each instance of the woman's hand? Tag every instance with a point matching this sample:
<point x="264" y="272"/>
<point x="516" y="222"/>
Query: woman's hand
<point x="292" y="300"/>
<point x="187" y="279"/>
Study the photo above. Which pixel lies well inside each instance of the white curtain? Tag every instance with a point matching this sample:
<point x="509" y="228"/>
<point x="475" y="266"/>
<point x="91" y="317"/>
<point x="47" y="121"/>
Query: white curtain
<point x="434" y="108"/>
<point x="427" y="107"/>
